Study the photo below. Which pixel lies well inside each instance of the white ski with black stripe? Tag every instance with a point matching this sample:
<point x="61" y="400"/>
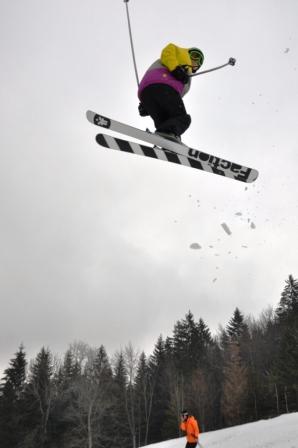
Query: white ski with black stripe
<point x="155" y="153"/>
<point x="184" y="154"/>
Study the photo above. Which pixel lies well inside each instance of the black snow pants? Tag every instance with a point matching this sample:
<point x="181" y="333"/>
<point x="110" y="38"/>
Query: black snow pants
<point x="191" y="445"/>
<point x="166" y="108"/>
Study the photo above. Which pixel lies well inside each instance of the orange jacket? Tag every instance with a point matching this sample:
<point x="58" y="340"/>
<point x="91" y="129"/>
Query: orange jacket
<point x="191" y="427"/>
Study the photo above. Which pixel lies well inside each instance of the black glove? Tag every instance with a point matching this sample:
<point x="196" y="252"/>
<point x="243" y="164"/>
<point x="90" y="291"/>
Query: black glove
<point x="142" y="110"/>
<point x="180" y="74"/>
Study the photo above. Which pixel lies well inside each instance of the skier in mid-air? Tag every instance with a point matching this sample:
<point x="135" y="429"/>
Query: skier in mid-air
<point x="164" y="84"/>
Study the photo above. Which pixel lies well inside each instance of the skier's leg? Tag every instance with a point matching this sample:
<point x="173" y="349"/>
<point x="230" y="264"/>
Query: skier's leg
<point x="178" y="124"/>
<point x="151" y="103"/>
<point x="178" y="120"/>
<point x="166" y="108"/>
<point x="191" y="445"/>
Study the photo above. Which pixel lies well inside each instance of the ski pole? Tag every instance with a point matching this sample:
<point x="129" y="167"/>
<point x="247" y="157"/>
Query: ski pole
<point x="131" y="42"/>
<point x="231" y="61"/>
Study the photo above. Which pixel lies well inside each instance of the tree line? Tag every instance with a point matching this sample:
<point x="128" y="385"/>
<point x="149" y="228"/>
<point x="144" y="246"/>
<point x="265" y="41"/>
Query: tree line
<point x="246" y="372"/>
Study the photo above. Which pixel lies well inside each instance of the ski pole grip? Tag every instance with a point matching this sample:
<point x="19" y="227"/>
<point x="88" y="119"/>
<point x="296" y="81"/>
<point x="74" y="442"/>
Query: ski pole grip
<point x="232" y="61"/>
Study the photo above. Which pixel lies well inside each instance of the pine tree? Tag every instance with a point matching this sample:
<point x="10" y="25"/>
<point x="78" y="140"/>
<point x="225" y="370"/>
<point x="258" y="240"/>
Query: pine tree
<point x="223" y="338"/>
<point x="287" y="362"/>
<point x="159" y="379"/>
<point x="64" y="383"/>
<point x="121" y="437"/>
<point x="11" y="395"/>
<point x="235" y="387"/>
<point x="38" y="399"/>
<point x="199" y="392"/>
<point x="143" y="392"/>
<point x="131" y="358"/>
<point x="102" y="367"/>
<point x="267" y="352"/>
<point x="180" y="344"/>
<point x="204" y="343"/>
<point x="287" y="311"/>
<point x="214" y="374"/>
<point x="169" y="348"/>
<point x="189" y="340"/>
<point x="236" y="326"/>
<point x="199" y="398"/>
<point x="194" y="341"/>
<point x="103" y="381"/>
<point x="70" y="370"/>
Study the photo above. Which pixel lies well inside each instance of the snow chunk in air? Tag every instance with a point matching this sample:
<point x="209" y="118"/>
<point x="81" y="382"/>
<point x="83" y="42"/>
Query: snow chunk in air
<point x="226" y="228"/>
<point x="195" y="246"/>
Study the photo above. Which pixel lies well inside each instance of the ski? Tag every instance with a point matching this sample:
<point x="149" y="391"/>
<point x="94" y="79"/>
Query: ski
<point x="120" y="144"/>
<point x="208" y="162"/>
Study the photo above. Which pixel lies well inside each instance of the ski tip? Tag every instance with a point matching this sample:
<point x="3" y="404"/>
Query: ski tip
<point x="90" y="116"/>
<point x="101" y="140"/>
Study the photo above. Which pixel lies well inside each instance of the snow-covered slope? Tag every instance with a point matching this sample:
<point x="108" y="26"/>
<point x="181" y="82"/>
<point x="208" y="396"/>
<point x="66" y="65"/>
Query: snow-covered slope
<point x="279" y="432"/>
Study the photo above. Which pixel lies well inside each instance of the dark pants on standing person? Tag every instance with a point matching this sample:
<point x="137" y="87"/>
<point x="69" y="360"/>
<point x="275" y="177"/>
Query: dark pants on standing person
<point x="191" y="445"/>
<point x="165" y="106"/>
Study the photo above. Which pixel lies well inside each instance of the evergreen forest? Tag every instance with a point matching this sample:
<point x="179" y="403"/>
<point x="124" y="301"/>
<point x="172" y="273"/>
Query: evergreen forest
<point x="87" y="399"/>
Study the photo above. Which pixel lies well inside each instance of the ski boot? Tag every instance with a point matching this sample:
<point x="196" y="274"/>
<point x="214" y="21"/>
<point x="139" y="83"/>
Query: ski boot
<point x="169" y="136"/>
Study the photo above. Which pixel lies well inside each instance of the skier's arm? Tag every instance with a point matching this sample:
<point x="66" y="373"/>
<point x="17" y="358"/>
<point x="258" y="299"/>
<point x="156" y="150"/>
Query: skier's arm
<point x="195" y="428"/>
<point x="169" y="57"/>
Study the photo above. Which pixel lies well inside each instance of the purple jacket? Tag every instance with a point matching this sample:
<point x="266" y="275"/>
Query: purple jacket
<point x="159" y="74"/>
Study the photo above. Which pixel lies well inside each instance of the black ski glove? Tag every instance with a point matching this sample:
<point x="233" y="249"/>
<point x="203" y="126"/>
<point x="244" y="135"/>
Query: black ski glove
<point x="142" y="110"/>
<point x="180" y="74"/>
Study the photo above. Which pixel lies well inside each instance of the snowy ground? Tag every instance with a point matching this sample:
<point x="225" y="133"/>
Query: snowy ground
<point x="279" y="432"/>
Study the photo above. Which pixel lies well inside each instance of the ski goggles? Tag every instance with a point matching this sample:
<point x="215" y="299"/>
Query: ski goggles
<point x="196" y="55"/>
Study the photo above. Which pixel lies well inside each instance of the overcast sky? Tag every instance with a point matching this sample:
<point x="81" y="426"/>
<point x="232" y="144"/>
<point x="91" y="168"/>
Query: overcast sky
<point x="95" y="244"/>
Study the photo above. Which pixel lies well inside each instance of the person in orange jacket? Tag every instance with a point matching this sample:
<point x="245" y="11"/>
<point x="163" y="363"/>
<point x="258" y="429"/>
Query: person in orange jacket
<point x="190" y="426"/>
